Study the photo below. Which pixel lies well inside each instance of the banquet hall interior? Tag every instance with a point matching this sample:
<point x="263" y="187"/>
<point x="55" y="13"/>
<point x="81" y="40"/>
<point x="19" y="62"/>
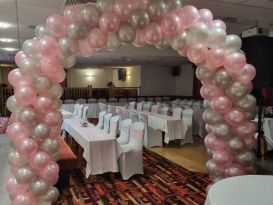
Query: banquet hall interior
<point x="136" y="102"/>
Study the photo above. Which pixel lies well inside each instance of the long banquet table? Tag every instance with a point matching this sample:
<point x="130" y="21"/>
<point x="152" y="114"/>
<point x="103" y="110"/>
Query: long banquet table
<point x="101" y="151"/>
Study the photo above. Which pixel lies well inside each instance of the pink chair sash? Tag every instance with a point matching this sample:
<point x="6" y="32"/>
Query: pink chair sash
<point x="113" y="126"/>
<point x="136" y="133"/>
<point x="154" y="110"/>
<point x="177" y="114"/>
<point x="139" y="107"/>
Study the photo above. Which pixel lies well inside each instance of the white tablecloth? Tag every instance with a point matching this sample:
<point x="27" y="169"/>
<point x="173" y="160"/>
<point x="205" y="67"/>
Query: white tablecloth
<point x="101" y="151"/>
<point x="66" y="114"/>
<point x="242" y="190"/>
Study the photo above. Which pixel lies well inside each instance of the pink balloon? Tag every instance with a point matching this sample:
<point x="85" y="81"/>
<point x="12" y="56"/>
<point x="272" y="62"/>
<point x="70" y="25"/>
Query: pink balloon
<point x="53" y="118"/>
<point x="215" y="57"/>
<point x="143" y="4"/>
<point x="56" y="25"/>
<point x="50" y="66"/>
<point x="153" y="33"/>
<point x="170" y="24"/>
<point x="55" y="131"/>
<point x="245" y="129"/>
<point x="208" y="128"/>
<point x="19" y="135"/>
<point x="218" y="24"/>
<point x="16" y="129"/>
<point x="59" y="76"/>
<point x="85" y="49"/>
<point x="135" y="4"/>
<point x="209" y="91"/>
<point x="221" y="104"/>
<point x="235" y="62"/>
<point x="250" y="142"/>
<point x="39" y="161"/>
<point x="213" y="142"/>
<point x="140" y="39"/>
<point x="73" y="13"/>
<point x="14" y="117"/>
<point x="24" y="198"/>
<point x="27" y="146"/>
<point x="206" y="16"/>
<point x="48" y="47"/>
<point x="25" y="95"/>
<point x="13" y="170"/>
<point x="183" y="53"/>
<point x="235" y="117"/>
<point x="19" y="57"/>
<point x="188" y="16"/>
<point x="197" y="53"/>
<point x="50" y="172"/>
<point x="43" y="103"/>
<point x="248" y="73"/>
<point x="17" y="79"/>
<point x="14" y="188"/>
<point x="222" y="157"/>
<point x="123" y="8"/>
<point x="234" y="170"/>
<point x="109" y="22"/>
<point x="97" y="38"/>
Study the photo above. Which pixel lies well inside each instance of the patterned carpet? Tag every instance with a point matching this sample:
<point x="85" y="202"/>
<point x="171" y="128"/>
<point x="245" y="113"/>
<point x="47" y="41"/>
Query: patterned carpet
<point x="163" y="183"/>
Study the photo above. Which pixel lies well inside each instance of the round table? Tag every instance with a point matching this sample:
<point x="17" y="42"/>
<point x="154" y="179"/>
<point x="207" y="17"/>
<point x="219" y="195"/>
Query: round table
<point x="242" y="190"/>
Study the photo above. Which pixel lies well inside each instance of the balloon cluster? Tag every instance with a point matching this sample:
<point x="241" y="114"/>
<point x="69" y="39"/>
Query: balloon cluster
<point x="85" y="29"/>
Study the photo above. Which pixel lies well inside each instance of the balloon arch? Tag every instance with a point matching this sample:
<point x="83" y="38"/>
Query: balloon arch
<point x="87" y="28"/>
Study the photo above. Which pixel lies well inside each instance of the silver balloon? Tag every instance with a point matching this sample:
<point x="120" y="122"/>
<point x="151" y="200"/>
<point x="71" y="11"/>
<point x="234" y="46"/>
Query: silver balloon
<point x="173" y="5"/>
<point x="41" y="132"/>
<point x="51" y="195"/>
<point x="210" y="153"/>
<point x="16" y="160"/>
<point x="68" y="61"/>
<point x="139" y="19"/>
<point x="217" y="37"/>
<point x="236" y="144"/>
<point x="204" y="73"/>
<point x="222" y="79"/>
<point x="113" y="42"/>
<point x="213" y="169"/>
<point x="25" y="175"/>
<point x="105" y="5"/>
<point x="29" y="48"/>
<point x="57" y="104"/>
<point x="77" y="31"/>
<point x="90" y="15"/>
<point x="237" y="90"/>
<point x="67" y="46"/>
<point x="248" y="103"/>
<point x="179" y="41"/>
<point x="56" y="91"/>
<point x="163" y="44"/>
<point x="28" y="116"/>
<point x="126" y="33"/>
<point x="246" y="158"/>
<point x="40" y="31"/>
<point x="12" y="104"/>
<point x="30" y="67"/>
<point x="212" y="117"/>
<point x="251" y="114"/>
<point x="157" y="9"/>
<point x="221" y="130"/>
<point x="233" y="43"/>
<point x="206" y="104"/>
<point x="198" y="33"/>
<point x="50" y="146"/>
<point x="42" y="83"/>
<point x="55" y="156"/>
<point x="39" y="187"/>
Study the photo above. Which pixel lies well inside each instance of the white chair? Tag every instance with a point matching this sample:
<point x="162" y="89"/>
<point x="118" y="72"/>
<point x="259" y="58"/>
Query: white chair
<point x="124" y="131"/>
<point x="131" y="99"/>
<point x="106" y="122"/>
<point x="84" y="113"/>
<point x="147" y="106"/>
<point x="101" y="117"/>
<point x="131" y="157"/>
<point x="151" y="99"/>
<point x="139" y="106"/>
<point x="166" y="99"/>
<point x="152" y="137"/>
<point x="92" y="100"/>
<point x="131" y="105"/>
<point x="81" y="101"/>
<point x="187" y="126"/>
<point x="165" y="110"/>
<point x="102" y="100"/>
<point x="114" y="126"/>
<point x="75" y="111"/>
<point x="125" y="114"/>
<point x="69" y="101"/>
<point x="80" y="111"/>
<point x="140" y="99"/>
<point x="158" y="99"/>
<point x="165" y="105"/>
<point x="113" y="100"/>
<point x="102" y="107"/>
<point x="155" y="109"/>
<point x="177" y="113"/>
<point x="134" y="116"/>
<point x="123" y="100"/>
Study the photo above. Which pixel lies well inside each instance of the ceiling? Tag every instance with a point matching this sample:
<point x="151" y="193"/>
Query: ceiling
<point x="24" y="15"/>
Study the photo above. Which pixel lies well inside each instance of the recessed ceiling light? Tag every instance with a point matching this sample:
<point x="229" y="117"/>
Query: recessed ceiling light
<point x="7" y="40"/>
<point x="9" y="49"/>
<point x="4" y="24"/>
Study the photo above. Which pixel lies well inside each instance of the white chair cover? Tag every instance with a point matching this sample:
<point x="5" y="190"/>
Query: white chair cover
<point x="151" y="99"/>
<point x="84" y="114"/>
<point x="177" y="113"/>
<point x="125" y="114"/>
<point x="81" y="101"/>
<point x="139" y="106"/>
<point x="75" y="111"/>
<point x="134" y="116"/>
<point x="69" y="101"/>
<point x="114" y="126"/>
<point x="155" y="109"/>
<point x="123" y="100"/>
<point x="80" y="111"/>
<point x="132" y="105"/>
<point x="131" y="158"/>
<point x="187" y="126"/>
<point x="102" y="100"/>
<point x="92" y="100"/>
<point x="124" y="131"/>
<point x="165" y="110"/>
<point x="103" y="107"/>
<point x="166" y="99"/>
<point x="152" y="137"/>
<point x="158" y="99"/>
<point x="140" y="99"/>
<point x="131" y="99"/>
<point x="101" y="117"/>
<point x="113" y="100"/>
<point x="147" y="106"/>
<point x="106" y="122"/>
